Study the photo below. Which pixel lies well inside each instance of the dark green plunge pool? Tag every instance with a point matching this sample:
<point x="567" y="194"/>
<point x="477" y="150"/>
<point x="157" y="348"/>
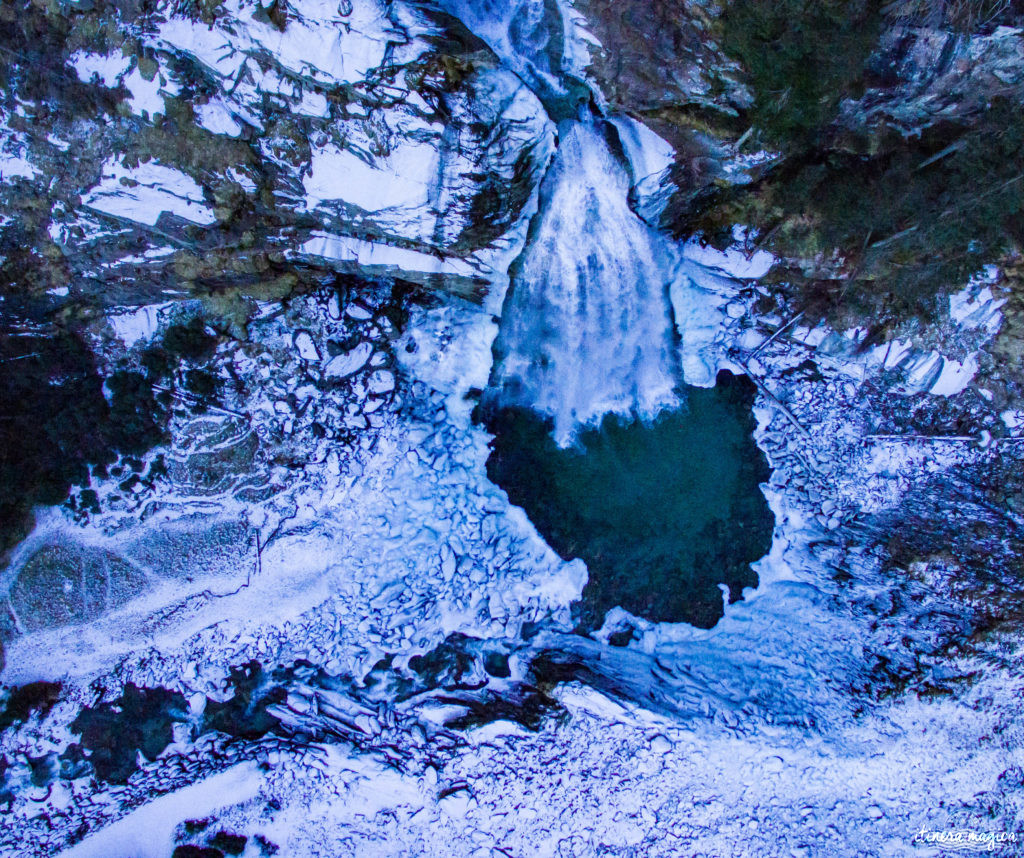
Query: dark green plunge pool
<point x="661" y="512"/>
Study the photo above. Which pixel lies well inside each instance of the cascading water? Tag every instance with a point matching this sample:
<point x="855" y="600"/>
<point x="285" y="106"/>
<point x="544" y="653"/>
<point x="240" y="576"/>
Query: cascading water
<point x="587" y="326"/>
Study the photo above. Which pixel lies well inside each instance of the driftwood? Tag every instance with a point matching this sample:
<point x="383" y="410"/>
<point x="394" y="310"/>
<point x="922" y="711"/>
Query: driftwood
<point x="788" y="414"/>
<point x="195" y="400"/>
<point x="778" y="333"/>
<point x="956" y="439"/>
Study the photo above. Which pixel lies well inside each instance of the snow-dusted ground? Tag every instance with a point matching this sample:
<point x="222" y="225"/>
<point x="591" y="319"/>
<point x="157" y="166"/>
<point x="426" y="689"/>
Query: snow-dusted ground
<point x="609" y="781"/>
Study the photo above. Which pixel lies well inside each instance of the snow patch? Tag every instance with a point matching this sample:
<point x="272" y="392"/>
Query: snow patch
<point x="385" y="257"/>
<point x="13" y="163"/>
<point x="215" y="117"/>
<point x="401" y="179"/>
<point x="13" y="166"/>
<point x="149" y="831"/>
<point x="147" y="192"/>
<point x="317" y="41"/>
<point x="107" y="67"/>
<point x="146" y="96"/>
<point x="734" y="261"/>
<point x="136" y="325"/>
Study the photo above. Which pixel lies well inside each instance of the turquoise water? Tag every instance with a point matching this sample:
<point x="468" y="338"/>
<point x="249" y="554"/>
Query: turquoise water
<point x="661" y="512"/>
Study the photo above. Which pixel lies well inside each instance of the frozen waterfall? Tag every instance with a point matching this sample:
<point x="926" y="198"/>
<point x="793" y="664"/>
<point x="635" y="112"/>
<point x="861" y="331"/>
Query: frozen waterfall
<point x="587" y="326"/>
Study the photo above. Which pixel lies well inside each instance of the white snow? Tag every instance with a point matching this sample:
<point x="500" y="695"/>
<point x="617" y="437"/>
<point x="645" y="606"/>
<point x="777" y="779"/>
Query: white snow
<point x="111" y="70"/>
<point x="700" y="299"/>
<point x="955" y="376"/>
<point x="399" y="539"/>
<point x="12" y="166"/>
<point x="317" y="41"/>
<point x="650" y="159"/>
<point x="929" y="371"/>
<point x="401" y="179"/>
<point x="972" y="307"/>
<point x="215" y="117"/>
<point x="13" y="149"/>
<point x="313" y="104"/>
<point x="146" y="97"/>
<point x="1012" y="419"/>
<point x="738" y="167"/>
<point x="107" y="67"/>
<point x="648" y="154"/>
<point x="894" y="353"/>
<point x="209" y="45"/>
<point x="136" y="325"/>
<point x="356" y="311"/>
<point x="374" y="255"/>
<point x="381" y="381"/>
<point x="924" y="370"/>
<point x="151" y="190"/>
<point x="149" y="831"/>
<point x="247" y="183"/>
<point x="516" y="30"/>
<point x="734" y="261"/>
<point x="305" y="346"/>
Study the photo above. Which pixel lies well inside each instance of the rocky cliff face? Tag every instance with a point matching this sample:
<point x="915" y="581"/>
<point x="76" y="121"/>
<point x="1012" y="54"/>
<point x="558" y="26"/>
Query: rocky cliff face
<point x="267" y="271"/>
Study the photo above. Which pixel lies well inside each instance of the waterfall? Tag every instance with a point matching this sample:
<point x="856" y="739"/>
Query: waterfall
<point x="587" y="325"/>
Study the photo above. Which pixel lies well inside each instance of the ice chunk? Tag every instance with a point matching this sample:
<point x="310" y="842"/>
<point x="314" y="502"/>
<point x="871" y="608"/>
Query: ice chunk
<point x="381" y="381"/>
<point x="348" y="362"/>
<point x="305" y="346"/>
<point x="955" y="376"/>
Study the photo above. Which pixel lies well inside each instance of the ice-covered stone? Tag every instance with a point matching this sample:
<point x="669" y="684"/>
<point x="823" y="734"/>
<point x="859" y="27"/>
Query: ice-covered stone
<point x="347" y="363"/>
<point x="381" y="381"/>
<point x="305" y="346"/>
